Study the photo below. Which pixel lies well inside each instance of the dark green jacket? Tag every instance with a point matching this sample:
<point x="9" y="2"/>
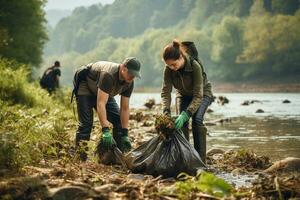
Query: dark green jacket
<point x="188" y="81"/>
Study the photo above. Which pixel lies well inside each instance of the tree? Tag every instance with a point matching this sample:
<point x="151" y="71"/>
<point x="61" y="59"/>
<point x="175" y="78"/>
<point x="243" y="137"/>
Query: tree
<point x="272" y="45"/>
<point x="287" y="7"/>
<point x="22" y="27"/>
<point x="228" y="44"/>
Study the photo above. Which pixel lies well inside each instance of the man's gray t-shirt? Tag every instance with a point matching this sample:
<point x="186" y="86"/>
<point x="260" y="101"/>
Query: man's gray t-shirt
<point x="105" y="75"/>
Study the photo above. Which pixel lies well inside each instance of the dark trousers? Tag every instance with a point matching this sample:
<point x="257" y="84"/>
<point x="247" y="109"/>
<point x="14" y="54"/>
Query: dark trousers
<point x="199" y="130"/>
<point x="197" y="119"/>
<point x="85" y="105"/>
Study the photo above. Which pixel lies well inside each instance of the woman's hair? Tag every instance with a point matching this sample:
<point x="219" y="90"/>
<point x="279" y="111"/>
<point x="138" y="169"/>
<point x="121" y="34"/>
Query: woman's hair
<point x="173" y="50"/>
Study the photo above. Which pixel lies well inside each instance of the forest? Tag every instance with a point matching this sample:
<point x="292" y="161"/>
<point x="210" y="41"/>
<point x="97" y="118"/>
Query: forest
<point x="238" y="41"/>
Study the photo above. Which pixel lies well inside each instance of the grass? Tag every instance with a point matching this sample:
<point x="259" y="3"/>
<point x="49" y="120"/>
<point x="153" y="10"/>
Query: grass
<point x="34" y="125"/>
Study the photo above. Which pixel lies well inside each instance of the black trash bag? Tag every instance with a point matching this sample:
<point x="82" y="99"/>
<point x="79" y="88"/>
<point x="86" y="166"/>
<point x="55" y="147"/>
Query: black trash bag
<point x="166" y="156"/>
<point x="109" y="156"/>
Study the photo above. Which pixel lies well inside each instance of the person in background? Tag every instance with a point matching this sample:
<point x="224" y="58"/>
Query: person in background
<point x="50" y="78"/>
<point x="95" y="86"/>
<point x="193" y="92"/>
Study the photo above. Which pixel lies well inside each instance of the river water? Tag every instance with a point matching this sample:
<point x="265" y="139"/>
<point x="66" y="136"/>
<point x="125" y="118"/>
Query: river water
<point x="274" y="133"/>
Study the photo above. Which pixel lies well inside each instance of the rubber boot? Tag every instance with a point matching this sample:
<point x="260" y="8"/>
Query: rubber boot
<point x="185" y="130"/>
<point x="199" y="135"/>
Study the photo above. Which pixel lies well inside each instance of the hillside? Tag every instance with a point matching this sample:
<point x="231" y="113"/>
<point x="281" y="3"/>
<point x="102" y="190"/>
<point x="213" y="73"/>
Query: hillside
<point x="53" y="16"/>
<point x="237" y="40"/>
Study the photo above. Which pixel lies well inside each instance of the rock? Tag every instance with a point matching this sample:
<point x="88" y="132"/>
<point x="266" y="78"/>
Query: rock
<point x="210" y="123"/>
<point x="209" y="110"/>
<point x="237" y="171"/>
<point x="290" y="164"/>
<point x="245" y="103"/>
<point x="259" y="111"/>
<point x="23" y="188"/>
<point x="150" y="103"/>
<point x="136" y="177"/>
<point x="255" y="101"/>
<point x="105" y="189"/>
<point x="213" y="151"/>
<point x="286" y="101"/>
<point x="73" y="192"/>
<point x="222" y="100"/>
<point x="221" y="121"/>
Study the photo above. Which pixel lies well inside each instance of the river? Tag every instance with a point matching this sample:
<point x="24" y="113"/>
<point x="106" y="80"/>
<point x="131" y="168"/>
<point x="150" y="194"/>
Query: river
<point x="274" y="133"/>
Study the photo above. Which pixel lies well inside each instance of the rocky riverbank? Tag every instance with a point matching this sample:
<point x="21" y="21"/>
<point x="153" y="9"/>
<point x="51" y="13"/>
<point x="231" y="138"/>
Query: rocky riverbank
<point x="65" y="177"/>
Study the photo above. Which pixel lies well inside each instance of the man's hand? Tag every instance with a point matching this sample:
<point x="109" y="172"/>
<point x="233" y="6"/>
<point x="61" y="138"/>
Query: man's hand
<point x="107" y="137"/>
<point x="125" y="142"/>
<point x="181" y="119"/>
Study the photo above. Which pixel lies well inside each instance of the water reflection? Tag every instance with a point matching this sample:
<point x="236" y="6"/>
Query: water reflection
<point x="274" y="133"/>
<point x="273" y="137"/>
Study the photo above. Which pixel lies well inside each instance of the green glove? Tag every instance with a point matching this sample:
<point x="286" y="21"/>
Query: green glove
<point x="125" y="142"/>
<point x="181" y="119"/>
<point x="107" y="137"/>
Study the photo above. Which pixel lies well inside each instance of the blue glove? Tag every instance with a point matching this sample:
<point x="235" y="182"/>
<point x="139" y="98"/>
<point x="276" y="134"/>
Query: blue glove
<point x="181" y="119"/>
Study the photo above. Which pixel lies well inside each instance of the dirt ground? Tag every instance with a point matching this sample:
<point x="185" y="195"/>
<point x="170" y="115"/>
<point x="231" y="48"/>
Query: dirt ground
<point x="66" y="177"/>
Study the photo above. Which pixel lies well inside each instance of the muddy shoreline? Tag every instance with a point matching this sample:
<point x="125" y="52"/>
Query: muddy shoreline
<point x="64" y="176"/>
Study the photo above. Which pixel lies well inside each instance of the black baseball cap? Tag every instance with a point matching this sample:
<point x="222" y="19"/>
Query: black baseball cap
<point x="133" y="65"/>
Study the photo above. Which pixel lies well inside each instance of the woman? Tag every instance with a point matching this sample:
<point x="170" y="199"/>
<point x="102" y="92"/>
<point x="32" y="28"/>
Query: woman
<point x="194" y="94"/>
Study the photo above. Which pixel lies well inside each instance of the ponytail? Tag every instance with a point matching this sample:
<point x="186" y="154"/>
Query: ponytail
<point x="173" y="51"/>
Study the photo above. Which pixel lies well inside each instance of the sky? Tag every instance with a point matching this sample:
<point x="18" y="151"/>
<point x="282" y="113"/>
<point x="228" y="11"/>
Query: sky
<point x="71" y="4"/>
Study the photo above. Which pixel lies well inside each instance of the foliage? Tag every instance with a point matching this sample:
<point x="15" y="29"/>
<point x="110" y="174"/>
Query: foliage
<point x="272" y="45"/>
<point x="29" y="135"/>
<point x="13" y="81"/>
<point x="164" y="124"/>
<point x="33" y="124"/>
<point x="237" y="40"/>
<point x="204" y="182"/>
<point x="22" y="30"/>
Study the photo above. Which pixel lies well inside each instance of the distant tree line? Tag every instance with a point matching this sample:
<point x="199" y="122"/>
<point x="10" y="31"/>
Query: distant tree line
<point x="238" y="40"/>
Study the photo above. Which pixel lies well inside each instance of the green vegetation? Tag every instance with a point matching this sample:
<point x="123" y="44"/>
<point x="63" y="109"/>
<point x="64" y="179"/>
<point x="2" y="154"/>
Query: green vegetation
<point x="22" y="30"/>
<point x="33" y="124"/>
<point x="245" y="40"/>
<point x="207" y="183"/>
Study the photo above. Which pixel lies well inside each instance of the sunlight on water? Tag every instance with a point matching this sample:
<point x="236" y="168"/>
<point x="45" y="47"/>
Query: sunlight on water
<point x="274" y="133"/>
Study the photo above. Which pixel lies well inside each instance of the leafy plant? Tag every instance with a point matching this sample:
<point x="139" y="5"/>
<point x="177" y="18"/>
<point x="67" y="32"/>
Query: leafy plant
<point x="205" y="183"/>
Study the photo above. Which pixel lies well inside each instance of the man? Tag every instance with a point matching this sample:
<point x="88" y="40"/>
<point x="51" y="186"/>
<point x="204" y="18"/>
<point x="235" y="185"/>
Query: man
<point x="50" y="78"/>
<point x="95" y="86"/>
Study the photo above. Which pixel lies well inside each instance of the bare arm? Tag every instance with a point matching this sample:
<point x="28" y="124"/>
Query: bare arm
<point x="102" y="98"/>
<point x="124" y="112"/>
